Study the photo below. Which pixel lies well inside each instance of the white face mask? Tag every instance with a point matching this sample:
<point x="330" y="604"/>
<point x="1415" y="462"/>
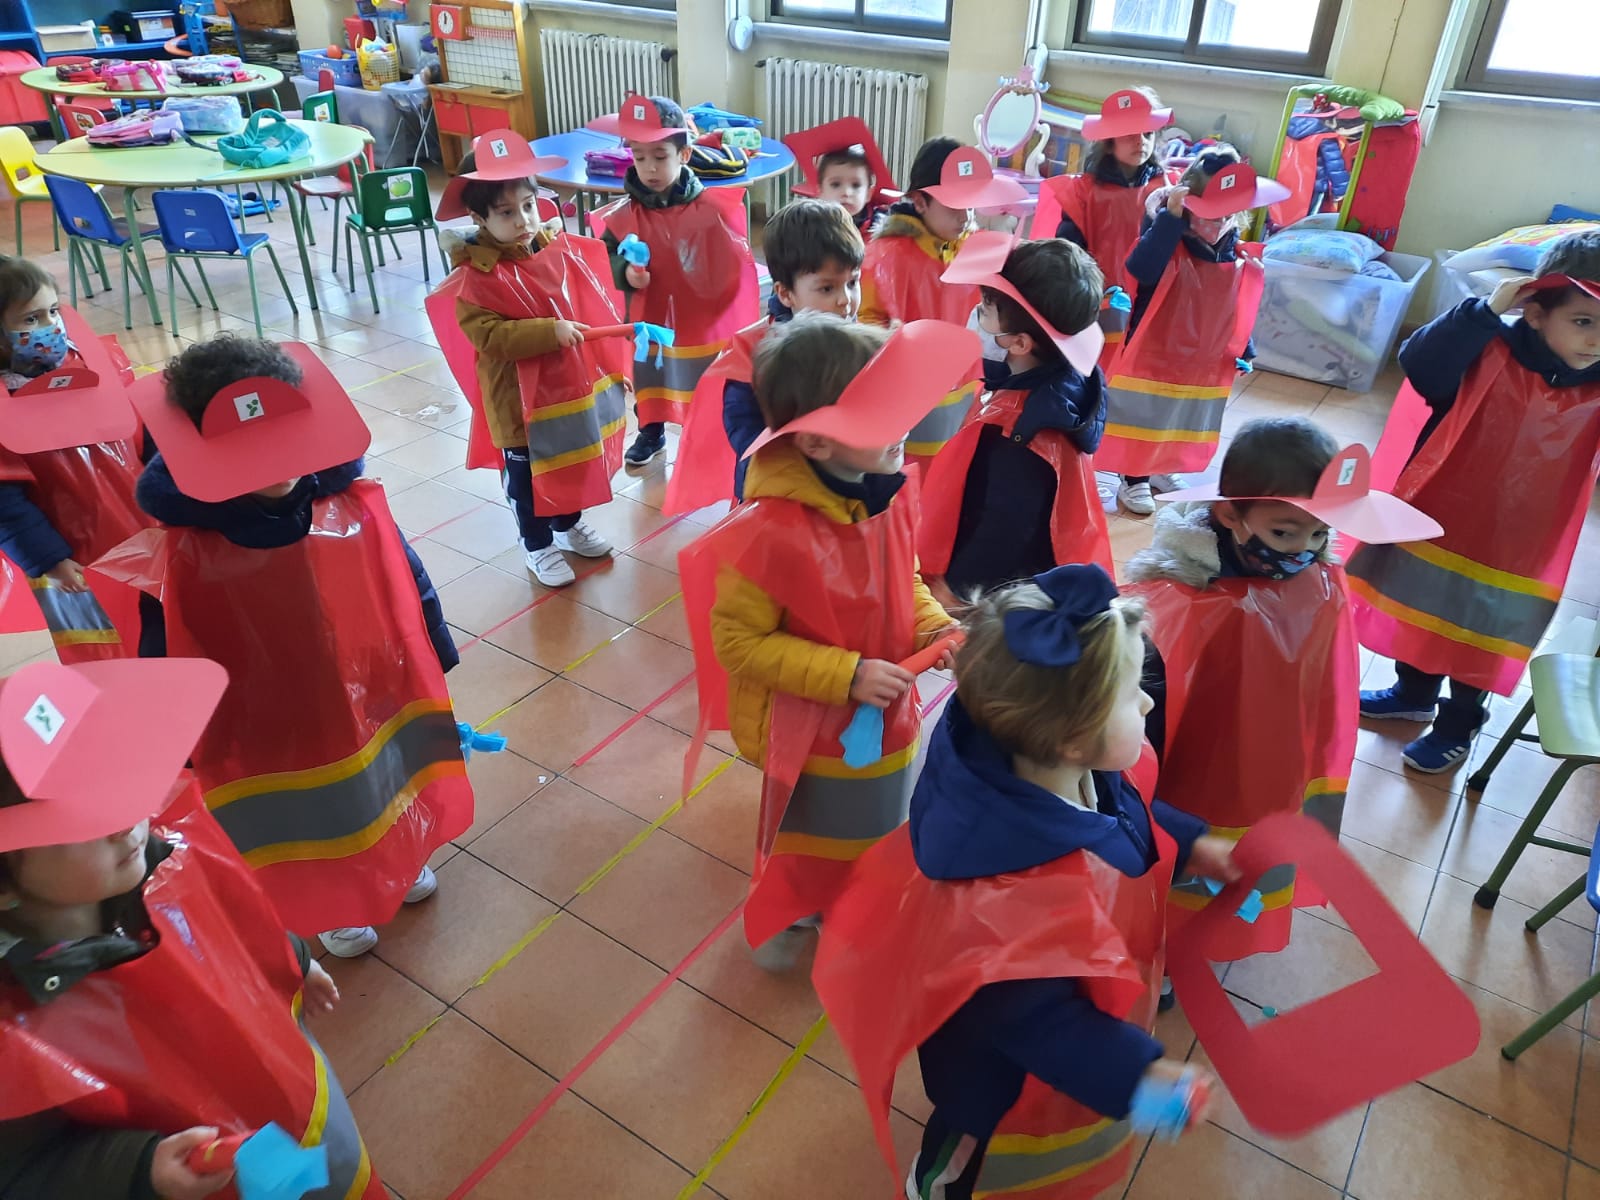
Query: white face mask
<point x="993" y="351"/>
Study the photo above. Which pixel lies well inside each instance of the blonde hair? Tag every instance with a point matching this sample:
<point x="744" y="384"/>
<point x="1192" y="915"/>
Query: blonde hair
<point x="1036" y="711"/>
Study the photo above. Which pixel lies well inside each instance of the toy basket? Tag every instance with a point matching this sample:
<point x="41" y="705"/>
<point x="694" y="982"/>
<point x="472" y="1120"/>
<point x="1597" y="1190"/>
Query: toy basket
<point x="259" y="14"/>
<point x="379" y="65"/>
<point x="346" y="71"/>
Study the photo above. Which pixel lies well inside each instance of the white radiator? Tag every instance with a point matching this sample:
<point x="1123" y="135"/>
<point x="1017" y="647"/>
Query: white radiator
<point x="894" y="105"/>
<point x="587" y="74"/>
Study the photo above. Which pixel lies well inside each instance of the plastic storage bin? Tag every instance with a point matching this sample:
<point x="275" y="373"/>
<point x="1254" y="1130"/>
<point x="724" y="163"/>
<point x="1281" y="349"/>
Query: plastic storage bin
<point x="1333" y="327"/>
<point x="346" y="71"/>
<point x="19" y="105"/>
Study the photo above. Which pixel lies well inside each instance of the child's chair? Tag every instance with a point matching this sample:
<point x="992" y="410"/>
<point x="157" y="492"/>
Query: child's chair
<point x="79" y="119"/>
<point x="321" y="106"/>
<point x="22" y="177"/>
<point x="392" y="201"/>
<point x="89" y="224"/>
<point x="196" y="225"/>
<point x="338" y="187"/>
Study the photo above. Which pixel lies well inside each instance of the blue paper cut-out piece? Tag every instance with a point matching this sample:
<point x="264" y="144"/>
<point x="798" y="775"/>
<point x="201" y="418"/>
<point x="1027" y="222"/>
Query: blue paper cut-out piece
<point x="862" y="739"/>
<point x="1161" y="1106"/>
<point x="634" y="251"/>
<point x="1268" y="1011"/>
<point x="1119" y="299"/>
<point x="1246" y="366"/>
<point x="646" y="334"/>
<point x="1252" y="908"/>
<point x="272" y="1165"/>
<point x="471" y="739"/>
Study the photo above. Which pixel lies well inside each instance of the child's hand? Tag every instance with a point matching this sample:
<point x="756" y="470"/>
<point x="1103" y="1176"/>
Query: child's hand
<point x="320" y="992"/>
<point x="1170" y="1070"/>
<point x="1509" y="294"/>
<point x="569" y="334"/>
<point x="1212" y="857"/>
<point x="879" y="682"/>
<point x="638" y="277"/>
<point x="947" y="660"/>
<point x="68" y="576"/>
<point x="1175" y="199"/>
<point x="172" y="1178"/>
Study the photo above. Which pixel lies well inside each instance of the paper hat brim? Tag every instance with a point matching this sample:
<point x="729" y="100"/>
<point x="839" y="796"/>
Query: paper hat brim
<point x="809" y="145"/>
<point x="140" y="716"/>
<point x="522" y="163"/>
<point x="325" y="432"/>
<point x="1545" y="282"/>
<point x="635" y="129"/>
<point x="979" y="262"/>
<point x="79" y="404"/>
<point x="1111" y="122"/>
<point x="980" y="189"/>
<point x="920" y="364"/>
<point x="1249" y="191"/>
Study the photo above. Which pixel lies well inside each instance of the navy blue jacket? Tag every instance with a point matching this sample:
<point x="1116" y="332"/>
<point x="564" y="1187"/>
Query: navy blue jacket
<point x="741" y="415"/>
<point x="266" y="525"/>
<point x="26" y="536"/>
<point x="1003" y="532"/>
<point x="972" y="817"/>
<point x="1158" y="242"/>
<point x="1107" y="170"/>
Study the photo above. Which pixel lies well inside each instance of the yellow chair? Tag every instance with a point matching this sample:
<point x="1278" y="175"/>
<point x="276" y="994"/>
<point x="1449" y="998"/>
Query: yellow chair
<point x="23" y="179"/>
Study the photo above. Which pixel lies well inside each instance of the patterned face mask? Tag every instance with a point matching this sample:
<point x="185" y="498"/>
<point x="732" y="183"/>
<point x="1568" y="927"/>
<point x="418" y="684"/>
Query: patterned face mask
<point x="1262" y="559"/>
<point x="38" y="351"/>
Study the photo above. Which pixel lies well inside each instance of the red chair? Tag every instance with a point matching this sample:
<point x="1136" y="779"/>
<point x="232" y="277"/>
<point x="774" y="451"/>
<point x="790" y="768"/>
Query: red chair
<point x="338" y="187"/>
<point x="78" y="119"/>
<point x="325" y="80"/>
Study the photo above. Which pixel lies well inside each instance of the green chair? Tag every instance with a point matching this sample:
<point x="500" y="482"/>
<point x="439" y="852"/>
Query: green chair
<point x="1578" y="636"/>
<point x="389" y="202"/>
<point x="320" y="106"/>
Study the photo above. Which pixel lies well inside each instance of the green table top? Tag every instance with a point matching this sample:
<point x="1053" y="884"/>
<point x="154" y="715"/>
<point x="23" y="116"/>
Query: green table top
<point x="43" y="79"/>
<point x="182" y="165"/>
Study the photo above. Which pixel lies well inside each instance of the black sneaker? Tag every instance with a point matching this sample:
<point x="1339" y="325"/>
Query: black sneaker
<point x="650" y="445"/>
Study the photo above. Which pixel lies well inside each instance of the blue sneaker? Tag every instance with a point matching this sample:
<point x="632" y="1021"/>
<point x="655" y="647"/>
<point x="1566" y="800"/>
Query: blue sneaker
<point x="1434" y="753"/>
<point x="1388" y="704"/>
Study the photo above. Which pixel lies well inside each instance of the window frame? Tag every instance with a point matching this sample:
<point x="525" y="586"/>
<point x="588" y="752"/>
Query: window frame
<point x="1247" y="58"/>
<point x="1479" y="77"/>
<point x="861" y="22"/>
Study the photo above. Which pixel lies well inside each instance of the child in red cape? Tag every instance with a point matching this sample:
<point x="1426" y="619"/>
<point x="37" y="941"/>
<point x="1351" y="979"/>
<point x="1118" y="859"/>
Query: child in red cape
<point x="700" y="281"/>
<point x="804" y="601"/>
<point x="511" y="321"/>
<point x="842" y="164"/>
<point x="1013" y="933"/>
<point x="334" y="761"/>
<point x="149" y="999"/>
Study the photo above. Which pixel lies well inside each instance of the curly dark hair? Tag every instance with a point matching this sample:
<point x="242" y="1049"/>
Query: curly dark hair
<point x="201" y="371"/>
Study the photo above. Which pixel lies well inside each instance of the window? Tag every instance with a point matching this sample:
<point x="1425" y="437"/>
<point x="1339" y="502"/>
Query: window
<point x="913" y="18"/>
<point x="1282" y="35"/>
<point x="1538" y="48"/>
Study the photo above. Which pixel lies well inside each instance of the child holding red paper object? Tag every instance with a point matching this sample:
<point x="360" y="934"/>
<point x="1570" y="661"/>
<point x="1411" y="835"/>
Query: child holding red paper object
<point x="511" y="321"/>
<point x="804" y="600"/>
<point x="1256" y="648"/>
<point x="334" y="761"/>
<point x="1013" y="933"/>
<point x="842" y="164"/>
<point x="902" y="278"/>
<point x="150" y="1001"/>
<point x="699" y="278"/>
<point x="1517" y="408"/>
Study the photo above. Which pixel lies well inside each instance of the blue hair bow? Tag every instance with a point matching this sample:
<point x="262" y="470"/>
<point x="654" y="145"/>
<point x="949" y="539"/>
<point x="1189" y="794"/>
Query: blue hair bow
<point x="1049" y="637"/>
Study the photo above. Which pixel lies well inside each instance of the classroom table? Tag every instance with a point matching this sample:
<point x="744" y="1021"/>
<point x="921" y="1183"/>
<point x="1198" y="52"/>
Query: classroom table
<point x="43" y="79"/>
<point x="181" y="165"/>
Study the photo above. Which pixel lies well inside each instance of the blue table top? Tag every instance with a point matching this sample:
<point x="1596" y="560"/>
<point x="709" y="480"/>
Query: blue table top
<point x="773" y="159"/>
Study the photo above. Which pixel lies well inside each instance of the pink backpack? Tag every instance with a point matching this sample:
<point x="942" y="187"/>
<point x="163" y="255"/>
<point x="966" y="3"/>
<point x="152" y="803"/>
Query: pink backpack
<point x="134" y="76"/>
<point x="147" y="127"/>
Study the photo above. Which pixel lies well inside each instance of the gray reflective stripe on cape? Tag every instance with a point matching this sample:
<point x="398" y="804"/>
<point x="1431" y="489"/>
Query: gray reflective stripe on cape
<point x="1013" y="1172"/>
<point x="71" y="612"/>
<point x="339" y="1134"/>
<point x="1146" y="410"/>
<point x="330" y="811"/>
<point x="674" y="374"/>
<point x="942" y="423"/>
<point x="1470" y="604"/>
<point x="1327" y="809"/>
<point x="1113" y="320"/>
<point x="848" y="809"/>
<point x="1274" y="880"/>
<point x="549" y="437"/>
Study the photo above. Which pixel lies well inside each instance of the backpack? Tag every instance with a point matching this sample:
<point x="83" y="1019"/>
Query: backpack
<point x="267" y="140"/>
<point x="147" y="127"/>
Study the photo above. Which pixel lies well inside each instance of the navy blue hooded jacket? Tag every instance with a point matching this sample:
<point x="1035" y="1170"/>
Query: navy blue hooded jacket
<point x="741" y="415"/>
<point x="265" y="525"/>
<point x="26" y="536"/>
<point x="1158" y="242"/>
<point x="971" y="817"/>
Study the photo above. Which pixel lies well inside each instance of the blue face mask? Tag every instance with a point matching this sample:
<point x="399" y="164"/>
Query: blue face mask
<point x="1262" y="559"/>
<point x="38" y="351"/>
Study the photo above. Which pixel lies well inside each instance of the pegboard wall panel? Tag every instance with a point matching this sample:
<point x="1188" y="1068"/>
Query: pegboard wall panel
<point x="487" y="56"/>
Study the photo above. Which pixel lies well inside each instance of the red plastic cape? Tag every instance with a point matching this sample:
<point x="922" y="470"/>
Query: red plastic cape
<point x="703" y="472"/>
<point x="333" y="760"/>
<point x="901" y="953"/>
<point x="18" y="612"/>
<point x="1474" y="603"/>
<point x="1078" y="528"/>
<point x="572" y="399"/>
<point x="1173" y="378"/>
<point x="86" y="492"/>
<point x="840" y="585"/>
<point x="703" y="287"/>
<point x="204" y="1029"/>
<point x="1262" y="681"/>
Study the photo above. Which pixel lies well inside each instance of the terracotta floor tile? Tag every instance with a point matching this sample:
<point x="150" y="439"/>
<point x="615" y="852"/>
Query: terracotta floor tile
<point x="683" y="1075"/>
<point x="389" y="432"/>
<point x="662" y="548"/>
<point x="669" y="622"/>
<point x="1420" y="1145"/>
<point x="435" y="371"/>
<point x="378" y="1009"/>
<point x="1521" y="776"/>
<point x="428" y="506"/>
<point x="475" y="481"/>
<point x="721" y="818"/>
<point x="1380" y="744"/>
<point x="439" y="1111"/>
<point x="1586" y="1122"/>
<point x="489" y="678"/>
<point x="500" y="782"/>
<point x="559" y="722"/>
<point x="681" y="711"/>
<point x="642" y="769"/>
<point x="481" y="534"/>
<point x="634" y="668"/>
<point x="1320" y="959"/>
<point x="907" y="1097"/>
<point x="1481" y="836"/>
<point x="485" y="597"/>
<point x="1583" y="1183"/>
<point x="446" y="942"/>
<point x="557" y="633"/>
<point x="781" y="1002"/>
<point x="430" y="455"/>
<point x="663" y="899"/>
<point x="649" y="489"/>
<point x="625" y="522"/>
<point x="444" y="564"/>
<point x="1398" y="814"/>
<point x="1405" y="884"/>
<point x="394" y="479"/>
<point x="556" y="840"/>
<point x="1210" y="1162"/>
<point x="626" y="588"/>
<point x="562" y="994"/>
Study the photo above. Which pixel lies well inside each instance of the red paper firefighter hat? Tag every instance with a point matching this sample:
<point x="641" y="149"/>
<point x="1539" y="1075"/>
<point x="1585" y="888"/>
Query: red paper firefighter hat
<point x="638" y="120"/>
<point x="257" y="432"/>
<point x="498" y="154"/>
<point x="1546" y="282"/>
<point x="920" y="364"/>
<point x="1345" y="500"/>
<point x="1235" y="189"/>
<point x="846" y="133"/>
<point x="78" y="404"/>
<point x="18" y="611"/>
<point x="979" y="262"/>
<point x="1125" y="112"/>
<point x="95" y="748"/>
<point x="968" y="181"/>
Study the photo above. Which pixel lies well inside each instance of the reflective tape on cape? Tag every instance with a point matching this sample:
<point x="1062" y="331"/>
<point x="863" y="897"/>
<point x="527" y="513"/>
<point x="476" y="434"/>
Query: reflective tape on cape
<point x="1509" y="473"/>
<point x="901" y="953"/>
<point x="702" y="286"/>
<point x="703" y="472"/>
<point x="333" y="759"/>
<point x="1165" y="397"/>
<point x="204" y="1029"/>
<point x="1078" y="530"/>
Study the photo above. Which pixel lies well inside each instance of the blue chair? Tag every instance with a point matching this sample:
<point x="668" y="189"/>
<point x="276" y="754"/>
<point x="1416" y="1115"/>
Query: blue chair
<point x="196" y="225"/>
<point x="90" y="226"/>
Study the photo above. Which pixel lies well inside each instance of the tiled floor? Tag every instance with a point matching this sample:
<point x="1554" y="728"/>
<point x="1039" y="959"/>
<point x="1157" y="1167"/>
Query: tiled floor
<point x="585" y="930"/>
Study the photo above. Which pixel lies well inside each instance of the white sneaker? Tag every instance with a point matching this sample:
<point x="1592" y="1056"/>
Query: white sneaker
<point x="1170" y="482"/>
<point x="550" y="567"/>
<point x="1136" y="498"/>
<point x="426" y="885"/>
<point x="350" y="942"/>
<point x="1105" y="483"/>
<point x="584" y="540"/>
<point x="782" y="952"/>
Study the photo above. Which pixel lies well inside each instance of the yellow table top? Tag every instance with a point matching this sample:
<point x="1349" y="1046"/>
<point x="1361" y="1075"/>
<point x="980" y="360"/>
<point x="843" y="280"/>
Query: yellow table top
<point x="43" y="79"/>
<point x="182" y="165"/>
